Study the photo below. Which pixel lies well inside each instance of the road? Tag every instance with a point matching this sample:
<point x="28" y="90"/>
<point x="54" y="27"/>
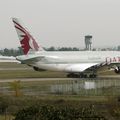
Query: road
<point x="112" y="77"/>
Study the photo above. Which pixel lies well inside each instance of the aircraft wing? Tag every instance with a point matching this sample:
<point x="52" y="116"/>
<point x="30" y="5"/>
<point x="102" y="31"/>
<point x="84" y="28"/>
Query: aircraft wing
<point x="8" y="59"/>
<point x="80" y="67"/>
<point x="100" y="65"/>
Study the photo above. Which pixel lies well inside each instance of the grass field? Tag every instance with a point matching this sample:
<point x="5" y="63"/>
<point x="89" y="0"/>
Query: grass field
<point x="5" y="74"/>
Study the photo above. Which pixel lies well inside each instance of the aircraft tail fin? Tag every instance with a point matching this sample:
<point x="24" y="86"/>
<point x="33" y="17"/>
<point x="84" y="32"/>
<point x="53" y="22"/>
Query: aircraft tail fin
<point x="28" y="43"/>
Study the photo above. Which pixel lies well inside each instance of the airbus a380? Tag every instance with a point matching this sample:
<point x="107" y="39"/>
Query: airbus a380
<point x="75" y="63"/>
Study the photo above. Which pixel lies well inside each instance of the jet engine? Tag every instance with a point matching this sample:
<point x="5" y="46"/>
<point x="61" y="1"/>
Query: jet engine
<point x="38" y="69"/>
<point x="117" y="70"/>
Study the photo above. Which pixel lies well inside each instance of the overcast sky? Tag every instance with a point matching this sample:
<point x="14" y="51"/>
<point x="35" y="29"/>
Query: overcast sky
<point x="62" y="22"/>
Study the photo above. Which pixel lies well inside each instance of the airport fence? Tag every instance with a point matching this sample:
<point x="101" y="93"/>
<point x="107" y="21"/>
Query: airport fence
<point x="81" y="87"/>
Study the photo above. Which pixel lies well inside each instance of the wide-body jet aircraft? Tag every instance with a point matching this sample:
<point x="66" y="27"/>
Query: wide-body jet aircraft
<point x="75" y="63"/>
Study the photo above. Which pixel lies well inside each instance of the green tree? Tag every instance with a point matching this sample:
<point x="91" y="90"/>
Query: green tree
<point x="53" y="112"/>
<point x="51" y="49"/>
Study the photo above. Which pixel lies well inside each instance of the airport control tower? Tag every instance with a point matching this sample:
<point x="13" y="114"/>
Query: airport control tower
<point x="88" y="42"/>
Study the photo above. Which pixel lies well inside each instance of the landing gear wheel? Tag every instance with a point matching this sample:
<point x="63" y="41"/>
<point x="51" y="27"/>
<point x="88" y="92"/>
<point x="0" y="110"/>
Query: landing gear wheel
<point x="83" y="76"/>
<point x="72" y="75"/>
<point x="92" y="76"/>
<point x="68" y="75"/>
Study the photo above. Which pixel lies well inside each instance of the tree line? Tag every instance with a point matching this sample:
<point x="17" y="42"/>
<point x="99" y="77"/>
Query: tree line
<point x="11" y="52"/>
<point x="19" y="51"/>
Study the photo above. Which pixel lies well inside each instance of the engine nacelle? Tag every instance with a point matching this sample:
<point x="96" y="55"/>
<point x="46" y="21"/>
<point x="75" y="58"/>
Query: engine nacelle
<point x="38" y="69"/>
<point x="117" y="70"/>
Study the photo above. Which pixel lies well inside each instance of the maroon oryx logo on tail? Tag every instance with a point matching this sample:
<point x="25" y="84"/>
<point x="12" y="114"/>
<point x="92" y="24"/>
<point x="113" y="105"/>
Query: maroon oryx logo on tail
<point x="27" y="41"/>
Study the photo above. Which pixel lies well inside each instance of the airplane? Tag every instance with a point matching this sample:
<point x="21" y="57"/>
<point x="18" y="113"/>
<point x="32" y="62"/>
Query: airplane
<point x="82" y="64"/>
<point x="8" y="59"/>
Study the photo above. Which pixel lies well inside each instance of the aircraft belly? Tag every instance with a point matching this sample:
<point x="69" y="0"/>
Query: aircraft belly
<point x="52" y="67"/>
<point x="66" y="67"/>
<point x="79" y="67"/>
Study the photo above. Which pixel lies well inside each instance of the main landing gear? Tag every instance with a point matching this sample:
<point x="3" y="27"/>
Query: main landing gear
<point x="93" y="75"/>
<point x="82" y="75"/>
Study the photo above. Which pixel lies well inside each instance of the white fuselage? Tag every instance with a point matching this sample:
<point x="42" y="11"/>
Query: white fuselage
<point x="77" y="61"/>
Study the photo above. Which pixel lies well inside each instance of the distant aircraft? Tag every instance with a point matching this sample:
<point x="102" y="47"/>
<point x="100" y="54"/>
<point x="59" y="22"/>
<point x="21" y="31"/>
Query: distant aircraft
<point x="8" y="59"/>
<point x="76" y="63"/>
